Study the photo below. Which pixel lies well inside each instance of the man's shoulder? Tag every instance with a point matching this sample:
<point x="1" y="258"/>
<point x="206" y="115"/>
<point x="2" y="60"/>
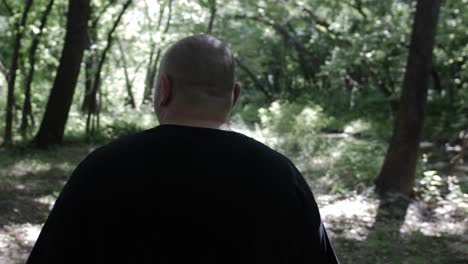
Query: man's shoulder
<point x="122" y="147"/>
<point x="261" y="150"/>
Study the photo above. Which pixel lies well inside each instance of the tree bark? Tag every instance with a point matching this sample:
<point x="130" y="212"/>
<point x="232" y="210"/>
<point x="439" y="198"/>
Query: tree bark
<point x="58" y="106"/>
<point x="151" y="75"/>
<point x="94" y="107"/>
<point x="213" y="9"/>
<point x="91" y="56"/>
<point x="27" y="106"/>
<point x="128" y="80"/>
<point x="398" y="171"/>
<point x="8" y="137"/>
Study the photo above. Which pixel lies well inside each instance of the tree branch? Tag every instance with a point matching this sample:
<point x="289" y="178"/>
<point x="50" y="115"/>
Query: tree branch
<point x="254" y="78"/>
<point x="8" y="7"/>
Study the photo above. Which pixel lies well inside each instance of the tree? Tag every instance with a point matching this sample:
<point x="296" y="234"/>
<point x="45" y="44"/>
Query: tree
<point x="92" y="55"/>
<point x="130" y="99"/>
<point x="94" y="107"/>
<point x="12" y="73"/>
<point x="152" y="67"/>
<point x="398" y="171"/>
<point x="27" y="107"/>
<point x="211" y="4"/>
<point x="55" y="118"/>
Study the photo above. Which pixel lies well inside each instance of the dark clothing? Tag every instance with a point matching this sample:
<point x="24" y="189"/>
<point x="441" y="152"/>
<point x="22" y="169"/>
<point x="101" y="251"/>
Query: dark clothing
<point x="176" y="194"/>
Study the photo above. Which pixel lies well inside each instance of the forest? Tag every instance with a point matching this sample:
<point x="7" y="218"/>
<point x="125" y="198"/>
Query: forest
<point x="369" y="98"/>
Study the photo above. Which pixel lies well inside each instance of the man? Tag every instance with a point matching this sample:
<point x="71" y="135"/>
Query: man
<point x="189" y="190"/>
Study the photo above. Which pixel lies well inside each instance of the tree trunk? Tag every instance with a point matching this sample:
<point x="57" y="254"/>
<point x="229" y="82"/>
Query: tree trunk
<point x="94" y="107"/>
<point x="151" y="75"/>
<point x="91" y="56"/>
<point x="398" y="171"/>
<point x="27" y="106"/>
<point x="128" y="82"/>
<point x="61" y="96"/>
<point x="212" y="4"/>
<point x="8" y="137"/>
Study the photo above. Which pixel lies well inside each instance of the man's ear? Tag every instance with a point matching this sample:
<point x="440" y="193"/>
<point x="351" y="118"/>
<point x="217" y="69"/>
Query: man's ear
<point x="235" y="94"/>
<point x="165" y="96"/>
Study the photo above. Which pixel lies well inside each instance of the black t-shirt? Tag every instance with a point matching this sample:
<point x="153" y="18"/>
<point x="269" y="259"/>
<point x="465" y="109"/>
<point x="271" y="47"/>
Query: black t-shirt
<point x="177" y="194"/>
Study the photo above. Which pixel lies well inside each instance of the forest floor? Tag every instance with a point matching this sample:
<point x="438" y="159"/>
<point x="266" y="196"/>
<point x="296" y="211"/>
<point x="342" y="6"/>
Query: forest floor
<point x="359" y="225"/>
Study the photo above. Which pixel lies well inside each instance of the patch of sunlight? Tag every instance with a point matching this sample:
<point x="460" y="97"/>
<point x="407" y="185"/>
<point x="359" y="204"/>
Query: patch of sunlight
<point x="440" y="224"/>
<point x="65" y="166"/>
<point x="47" y="200"/>
<point x="25" y="167"/>
<point x="16" y="242"/>
<point x="354" y="215"/>
<point x="357" y="126"/>
<point x="359" y="206"/>
<point x="309" y="116"/>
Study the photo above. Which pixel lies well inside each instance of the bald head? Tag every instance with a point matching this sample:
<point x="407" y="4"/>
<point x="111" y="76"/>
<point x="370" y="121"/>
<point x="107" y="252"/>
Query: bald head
<point x="199" y="71"/>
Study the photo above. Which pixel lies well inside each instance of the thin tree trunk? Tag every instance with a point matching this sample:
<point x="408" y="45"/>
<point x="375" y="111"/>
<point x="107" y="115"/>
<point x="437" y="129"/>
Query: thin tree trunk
<point x="91" y="56"/>
<point x="8" y="137"/>
<point x="149" y="74"/>
<point x="212" y="4"/>
<point x="60" y="99"/>
<point x="398" y="171"/>
<point x="128" y="81"/>
<point x="27" y="107"/>
<point x="95" y="101"/>
<point x="153" y="66"/>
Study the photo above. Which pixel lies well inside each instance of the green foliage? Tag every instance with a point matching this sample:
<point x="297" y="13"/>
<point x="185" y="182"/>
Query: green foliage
<point x="301" y="131"/>
<point x="110" y="127"/>
<point x="355" y="164"/>
<point x="292" y="125"/>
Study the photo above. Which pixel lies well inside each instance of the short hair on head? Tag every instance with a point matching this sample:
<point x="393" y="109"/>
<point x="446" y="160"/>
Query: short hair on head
<point x="200" y="65"/>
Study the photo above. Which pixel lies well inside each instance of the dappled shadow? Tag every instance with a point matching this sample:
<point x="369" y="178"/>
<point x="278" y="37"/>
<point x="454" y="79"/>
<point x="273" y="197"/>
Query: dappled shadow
<point x="30" y="181"/>
<point x="386" y="243"/>
<point x="412" y="248"/>
<point x="366" y="229"/>
<point x="391" y="214"/>
<point x="29" y="199"/>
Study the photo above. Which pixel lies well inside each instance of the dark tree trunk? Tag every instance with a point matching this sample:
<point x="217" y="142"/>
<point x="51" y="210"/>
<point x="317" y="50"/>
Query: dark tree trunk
<point x="8" y="137"/>
<point x="212" y="5"/>
<point x="151" y="74"/>
<point x="128" y="80"/>
<point x="95" y="103"/>
<point x="91" y="56"/>
<point x="60" y="99"/>
<point x="398" y="171"/>
<point x="27" y="106"/>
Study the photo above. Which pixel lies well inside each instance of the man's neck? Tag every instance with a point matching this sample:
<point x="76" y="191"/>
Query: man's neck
<point x="197" y="123"/>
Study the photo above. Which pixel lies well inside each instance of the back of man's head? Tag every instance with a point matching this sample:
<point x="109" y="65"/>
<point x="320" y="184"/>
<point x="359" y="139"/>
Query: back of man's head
<point x="200" y="72"/>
